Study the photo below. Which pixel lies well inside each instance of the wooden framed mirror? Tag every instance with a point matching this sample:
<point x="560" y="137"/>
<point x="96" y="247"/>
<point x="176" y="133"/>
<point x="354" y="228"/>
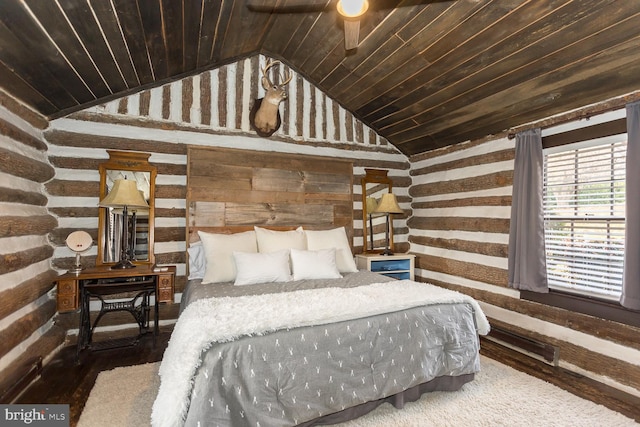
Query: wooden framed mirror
<point x="135" y="166"/>
<point x="375" y="183"/>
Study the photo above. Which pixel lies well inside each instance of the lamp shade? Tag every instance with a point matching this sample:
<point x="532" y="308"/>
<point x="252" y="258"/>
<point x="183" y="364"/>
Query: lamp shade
<point x="388" y="205"/>
<point x="372" y="205"/>
<point x="124" y="193"/>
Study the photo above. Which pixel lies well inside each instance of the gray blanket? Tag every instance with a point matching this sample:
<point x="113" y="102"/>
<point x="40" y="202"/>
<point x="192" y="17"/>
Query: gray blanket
<point x="291" y="376"/>
<point x="195" y="290"/>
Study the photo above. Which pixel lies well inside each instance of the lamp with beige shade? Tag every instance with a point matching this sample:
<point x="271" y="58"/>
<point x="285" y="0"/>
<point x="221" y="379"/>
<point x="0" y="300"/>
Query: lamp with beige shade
<point x="388" y="205"/>
<point x="125" y="195"/>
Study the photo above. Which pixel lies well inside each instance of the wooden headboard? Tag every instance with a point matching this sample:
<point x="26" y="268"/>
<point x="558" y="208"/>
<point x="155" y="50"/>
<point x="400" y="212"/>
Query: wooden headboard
<point x="230" y="191"/>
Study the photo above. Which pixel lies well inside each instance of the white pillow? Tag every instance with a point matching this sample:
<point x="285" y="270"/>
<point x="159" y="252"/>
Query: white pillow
<point x="219" y="249"/>
<point x="336" y="238"/>
<point x="262" y="268"/>
<point x="197" y="261"/>
<point x="314" y="264"/>
<point x="272" y="240"/>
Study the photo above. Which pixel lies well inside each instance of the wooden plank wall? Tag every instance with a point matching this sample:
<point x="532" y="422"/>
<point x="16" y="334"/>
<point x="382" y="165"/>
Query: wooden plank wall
<point x="222" y="98"/>
<point x="78" y="144"/>
<point x="230" y="191"/>
<point x="460" y="232"/>
<point x="27" y="306"/>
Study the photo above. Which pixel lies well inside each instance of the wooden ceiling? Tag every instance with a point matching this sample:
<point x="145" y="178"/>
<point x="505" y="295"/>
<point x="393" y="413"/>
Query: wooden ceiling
<point x="427" y="73"/>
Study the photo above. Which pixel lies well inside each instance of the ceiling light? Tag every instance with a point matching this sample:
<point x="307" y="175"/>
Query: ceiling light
<point x="352" y="8"/>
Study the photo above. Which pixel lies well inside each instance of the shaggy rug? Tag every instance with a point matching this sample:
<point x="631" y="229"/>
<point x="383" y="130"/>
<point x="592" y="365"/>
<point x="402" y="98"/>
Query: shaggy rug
<point x="499" y="396"/>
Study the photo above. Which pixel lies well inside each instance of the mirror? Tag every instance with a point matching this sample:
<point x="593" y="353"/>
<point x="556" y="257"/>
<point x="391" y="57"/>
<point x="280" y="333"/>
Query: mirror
<point x="135" y="166"/>
<point x="375" y="183"/>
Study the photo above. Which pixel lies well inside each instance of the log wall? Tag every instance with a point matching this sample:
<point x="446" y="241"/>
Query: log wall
<point x="208" y="110"/>
<point x="27" y="300"/>
<point x="458" y="200"/>
<point x="461" y="202"/>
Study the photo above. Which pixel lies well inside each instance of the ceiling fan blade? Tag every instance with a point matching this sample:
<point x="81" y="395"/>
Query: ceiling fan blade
<point x="351" y="33"/>
<point x="295" y="6"/>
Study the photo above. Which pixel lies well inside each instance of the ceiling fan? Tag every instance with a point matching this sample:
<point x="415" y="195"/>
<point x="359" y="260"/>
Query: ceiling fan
<point x="350" y="10"/>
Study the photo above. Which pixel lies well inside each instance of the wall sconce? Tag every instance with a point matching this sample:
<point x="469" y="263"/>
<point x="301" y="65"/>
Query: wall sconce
<point x="124" y="195"/>
<point x="388" y="206"/>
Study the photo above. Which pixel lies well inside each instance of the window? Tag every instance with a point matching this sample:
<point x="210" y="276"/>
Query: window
<point x="584" y="212"/>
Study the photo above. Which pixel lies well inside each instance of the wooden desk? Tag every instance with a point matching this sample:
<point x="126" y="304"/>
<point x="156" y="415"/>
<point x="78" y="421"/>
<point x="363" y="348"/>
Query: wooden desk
<point x="140" y="283"/>
<point x="69" y="284"/>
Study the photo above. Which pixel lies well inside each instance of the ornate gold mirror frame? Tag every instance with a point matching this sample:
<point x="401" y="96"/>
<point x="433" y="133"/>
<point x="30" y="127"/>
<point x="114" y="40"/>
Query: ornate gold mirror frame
<point x="129" y="165"/>
<point x="375" y="183"/>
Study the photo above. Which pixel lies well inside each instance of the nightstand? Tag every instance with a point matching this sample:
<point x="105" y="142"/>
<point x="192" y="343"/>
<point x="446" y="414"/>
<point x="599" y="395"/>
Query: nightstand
<point x="399" y="266"/>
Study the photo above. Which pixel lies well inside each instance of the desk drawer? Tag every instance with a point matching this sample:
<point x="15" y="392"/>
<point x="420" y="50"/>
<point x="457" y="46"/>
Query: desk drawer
<point x="67" y="303"/>
<point x="165" y="288"/>
<point x="390" y="265"/>
<point x="67" y="287"/>
<point x="67" y="299"/>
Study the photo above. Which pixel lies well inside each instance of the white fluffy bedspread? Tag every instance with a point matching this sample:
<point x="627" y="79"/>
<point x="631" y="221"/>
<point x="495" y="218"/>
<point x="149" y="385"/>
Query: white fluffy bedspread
<point x="211" y="320"/>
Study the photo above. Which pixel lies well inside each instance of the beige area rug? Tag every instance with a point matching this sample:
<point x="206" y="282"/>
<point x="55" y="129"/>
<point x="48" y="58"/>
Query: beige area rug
<point x="499" y="396"/>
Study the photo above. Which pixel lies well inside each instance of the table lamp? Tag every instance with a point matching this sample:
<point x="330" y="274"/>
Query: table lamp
<point x="388" y="205"/>
<point x="124" y="194"/>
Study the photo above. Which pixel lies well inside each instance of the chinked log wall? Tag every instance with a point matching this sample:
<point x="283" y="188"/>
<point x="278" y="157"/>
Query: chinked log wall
<point x="210" y="109"/>
<point x="27" y="306"/>
<point x="460" y="232"/>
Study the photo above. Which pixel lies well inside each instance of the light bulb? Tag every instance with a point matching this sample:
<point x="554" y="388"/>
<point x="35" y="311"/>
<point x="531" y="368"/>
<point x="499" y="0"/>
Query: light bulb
<point x="352" y="8"/>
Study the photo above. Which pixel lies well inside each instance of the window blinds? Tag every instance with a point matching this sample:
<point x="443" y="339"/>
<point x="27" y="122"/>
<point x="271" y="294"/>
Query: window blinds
<point x="584" y="211"/>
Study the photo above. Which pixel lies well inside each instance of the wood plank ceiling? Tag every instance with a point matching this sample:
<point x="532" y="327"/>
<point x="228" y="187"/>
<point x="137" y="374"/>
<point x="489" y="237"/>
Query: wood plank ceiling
<point x="427" y="73"/>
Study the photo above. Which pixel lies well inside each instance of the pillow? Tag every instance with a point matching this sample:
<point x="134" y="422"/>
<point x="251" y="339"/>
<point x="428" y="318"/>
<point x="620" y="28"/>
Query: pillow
<point x="336" y="238"/>
<point x="255" y="268"/>
<point x="197" y="261"/>
<point x="218" y="250"/>
<point x="314" y="264"/>
<point x="272" y="241"/>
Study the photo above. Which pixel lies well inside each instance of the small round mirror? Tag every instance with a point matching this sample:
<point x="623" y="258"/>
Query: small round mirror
<point x="78" y="241"/>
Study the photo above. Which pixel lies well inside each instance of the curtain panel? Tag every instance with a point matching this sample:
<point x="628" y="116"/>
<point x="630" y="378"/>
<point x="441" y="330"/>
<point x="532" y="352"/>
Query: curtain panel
<point x="527" y="260"/>
<point x="631" y="277"/>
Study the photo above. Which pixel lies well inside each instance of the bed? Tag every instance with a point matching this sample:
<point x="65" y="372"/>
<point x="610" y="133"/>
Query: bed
<point x="279" y="328"/>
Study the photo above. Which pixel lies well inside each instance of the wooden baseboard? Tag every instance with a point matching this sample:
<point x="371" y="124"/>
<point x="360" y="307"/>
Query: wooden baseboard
<point x="524" y="344"/>
<point x="18" y="381"/>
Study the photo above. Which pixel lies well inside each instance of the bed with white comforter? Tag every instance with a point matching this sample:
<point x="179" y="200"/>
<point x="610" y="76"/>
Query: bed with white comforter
<point x="308" y="352"/>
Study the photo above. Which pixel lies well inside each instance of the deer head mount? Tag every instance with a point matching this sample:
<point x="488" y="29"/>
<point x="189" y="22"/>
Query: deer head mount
<point x="265" y="116"/>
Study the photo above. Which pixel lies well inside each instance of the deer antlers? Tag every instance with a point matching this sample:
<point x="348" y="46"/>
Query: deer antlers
<point x="264" y="115"/>
<point x="284" y="79"/>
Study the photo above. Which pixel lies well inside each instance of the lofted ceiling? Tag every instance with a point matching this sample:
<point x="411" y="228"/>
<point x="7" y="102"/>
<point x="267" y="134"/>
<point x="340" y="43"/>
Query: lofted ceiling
<point x="427" y="73"/>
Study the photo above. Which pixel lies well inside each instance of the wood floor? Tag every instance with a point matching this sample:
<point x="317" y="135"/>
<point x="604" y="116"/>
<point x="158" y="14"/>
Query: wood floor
<point x="64" y="381"/>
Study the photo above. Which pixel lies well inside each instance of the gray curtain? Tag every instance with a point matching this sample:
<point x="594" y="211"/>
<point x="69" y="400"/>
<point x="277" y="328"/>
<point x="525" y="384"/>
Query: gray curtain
<point x="631" y="278"/>
<point x="527" y="261"/>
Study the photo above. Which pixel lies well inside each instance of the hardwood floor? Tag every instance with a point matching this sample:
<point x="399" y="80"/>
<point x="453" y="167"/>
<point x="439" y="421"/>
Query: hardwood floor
<point x="64" y="381"/>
